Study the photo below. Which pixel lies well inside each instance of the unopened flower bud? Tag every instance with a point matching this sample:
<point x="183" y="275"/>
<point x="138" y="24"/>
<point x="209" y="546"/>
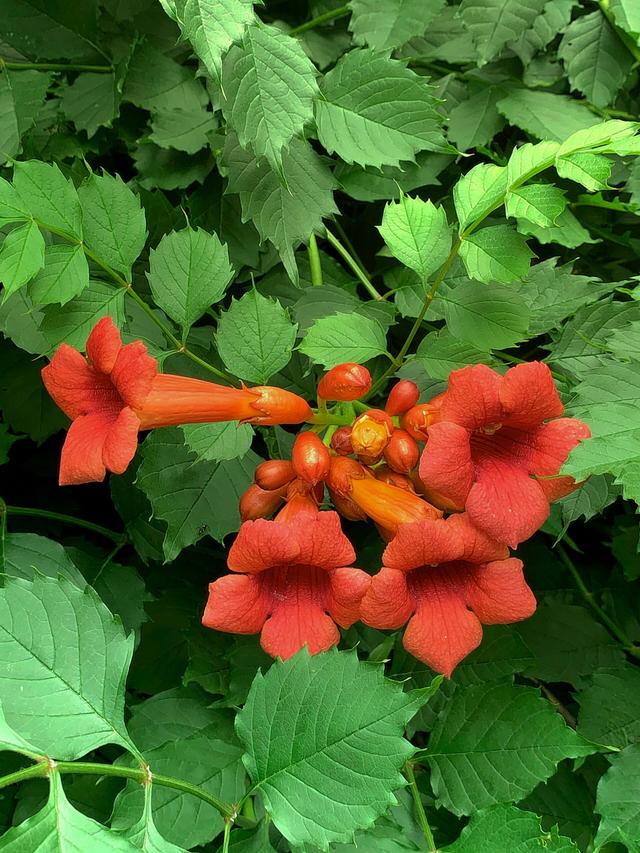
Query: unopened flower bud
<point x="277" y="406"/>
<point x="259" y="503"/>
<point x="393" y="478"/>
<point x="402" y="452"/>
<point x="310" y="458"/>
<point x="418" y="419"/>
<point x="371" y="432"/>
<point x="341" y="441"/>
<point x="342" y="472"/>
<point x="299" y="488"/>
<point x="345" y="382"/>
<point x="274" y="473"/>
<point x="403" y="396"/>
<point x="347" y="508"/>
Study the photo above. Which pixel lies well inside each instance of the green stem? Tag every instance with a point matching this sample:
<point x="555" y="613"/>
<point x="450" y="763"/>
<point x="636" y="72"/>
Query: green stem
<point x="626" y="40"/>
<point x="227" y="836"/>
<point x="362" y="277"/>
<point x="588" y="596"/>
<point x="118" y="538"/>
<point x="54" y="66"/>
<point x="333" y="15"/>
<point x="422" y="817"/>
<point x="3" y="531"/>
<point x="314" y="261"/>
<point x="328" y="419"/>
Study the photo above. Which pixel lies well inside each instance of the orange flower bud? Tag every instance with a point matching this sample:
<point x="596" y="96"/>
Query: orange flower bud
<point x="435" y="498"/>
<point x="370" y="433"/>
<point x="402" y="452"/>
<point x="310" y="458"/>
<point x="278" y="406"/>
<point x="390" y="506"/>
<point x="274" y="474"/>
<point x="387" y="475"/>
<point x="298" y="488"/>
<point x="259" y="503"/>
<point x="418" y="419"/>
<point x="342" y="472"/>
<point x="341" y="441"/>
<point x="403" y="396"/>
<point x="345" y="382"/>
<point x="347" y="508"/>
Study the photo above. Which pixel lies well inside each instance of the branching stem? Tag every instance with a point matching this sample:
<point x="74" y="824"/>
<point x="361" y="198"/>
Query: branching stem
<point x="321" y="20"/>
<point x="355" y="266"/>
<point x="118" y="538"/>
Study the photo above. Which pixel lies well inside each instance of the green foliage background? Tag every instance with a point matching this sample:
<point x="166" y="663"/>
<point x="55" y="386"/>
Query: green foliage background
<point x="168" y="164"/>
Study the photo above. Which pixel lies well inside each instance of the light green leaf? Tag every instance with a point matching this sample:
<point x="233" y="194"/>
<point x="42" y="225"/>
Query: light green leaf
<point x="392" y="24"/>
<point x="479" y="192"/>
<point x="344" y="337"/>
<point x="213" y="25"/>
<point x="187" y="496"/>
<point x="49" y="196"/>
<point x="488" y="316"/>
<point x="60" y="827"/>
<point x="181" y="129"/>
<point x="91" y="101"/>
<point x="11" y="741"/>
<point x="376" y="112"/>
<point x="72" y="323"/>
<point x="216" y="442"/>
<point x="65" y="275"/>
<point x="12" y="208"/>
<point x="590" y="170"/>
<point x="283" y="214"/>
<point x="470" y="767"/>
<point x="417" y="233"/>
<point x="493" y="23"/>
<point x="618" y="801"/>
<point x="22" y="95"/>
<point x="312" y="788"/>
<point x="609" y="706"/>
<point x="568" y="231"/>
<point x="625" y="343"/>
<point x="627" y="16"/>
<point x="189" y="270"/>
<point x="269" y="86"/>
<point x="541" y="204"/>
<point x="595" y="65"/>
<point x="67" y="704"/>
<point x="255" y="337"/>
<point x="505" y="828"/>
<point x="477" y="120"/>
<point x="27" y="555"/>
<point x="144" y="834"/>
<point x="21" y="257"/>
<point x="602" y="137"/>
<point x="156" y="82"/>
<point x="441" y="353"/>
<point x="529" y="159"/>
<point x="496" y="253"/>
<point x="546" y="115"/>
<point x="553" y="20"/>
<point x="113" y="221"/>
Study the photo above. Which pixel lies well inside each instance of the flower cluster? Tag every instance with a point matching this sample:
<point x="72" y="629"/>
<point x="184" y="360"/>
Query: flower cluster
<point x="452" y="484"/>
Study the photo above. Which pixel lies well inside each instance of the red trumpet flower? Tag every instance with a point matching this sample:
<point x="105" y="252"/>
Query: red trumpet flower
<point x="292" y="584"/>
<point x="446" y="579"/>
<point x="119" y="392"/>
<point x="491" y="439"/>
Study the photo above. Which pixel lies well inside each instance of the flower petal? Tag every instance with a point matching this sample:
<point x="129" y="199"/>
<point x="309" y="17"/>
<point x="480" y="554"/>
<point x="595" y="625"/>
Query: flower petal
<point x="260" y="545"/>
<point x="75" y="386"/>
<point x="294" y="624"/>
<point x="133" y="374"/>
<point x="498" y="593"/>
<point x="321" y="540"/>
<point x="443" y="631"/>
<point x="103" y="345"/>
<point x="236" y="604"/>
<point x="529" y="396"/>
<point x="472" y="398"/>
<point x="81" y="458"/>
<point x="477" y="546"/>
<point x="424" y="543"/>
<point x="121" y="441"/>
<point x="446" y="466"/>
<point x="348" y="585"/>
<point x="506" y="503"/>
<point x="552" y="443"/>
<point x="387" y="603"/>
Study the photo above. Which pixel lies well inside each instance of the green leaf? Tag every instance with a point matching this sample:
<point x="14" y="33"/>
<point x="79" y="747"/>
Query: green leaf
<point x="49" y="196"/>
<point x="27" y="555"/>
<point x="595" y="65"/>
<point x="609" y="707"/>
<point x="12" y="207"/>
<point x="113" y="221"/>
<point x="479" y="192"/>
<point x="441" y="353"/>
<point x="567" y="231"/>
<point x="546" y="115"/>
<point x="11" y="741"/>
<point x="391" y="25"/>
<point x="541" y="204"/>
<point x="144" y="834"/>
<point x="58" y="826"/>
<point x="475" y="121"/>
<point x="417" y="233"/>
<point x="553" y="20"/>
<point x="343" y="337"/>
<point x="65" y="275"/>
<point x="68" y="704"/>
<point x="592" y="497"/>
<point x="72" y="323"/>
<point x="21" y="257"/>
<point x="216" y="442"/>
<point x="213" y="25"/>
<point x="188" y="496"/>
<point x="283" y="214"/>
<point x="370" y="184"/>
<point x="470" y="767"/>
<point x="509" y="828"/>
<point x="22" y="95"/>
<point x="312" y="788"/>
<point x="590" y="170"/>
<point x="376" y="112"/>
<point x="186" y="130"/>
<point x="493" y="23"/>
<point x="132" y="505"/>
<point x="6" y="442"/>
<point x="619" y="801"/>
<point x="496" y="253"/>
<point x="255" y="337"/>
<point x="487" y="316"/>
<point x="528" y="160"/>
<point x="625" y="343"/>
<point x="156" y="82"/>
<point x="91" y="102"/>
<point x="269" y="86"/>
<point x="627" y="16"/>
<point x="189" y="270"/>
